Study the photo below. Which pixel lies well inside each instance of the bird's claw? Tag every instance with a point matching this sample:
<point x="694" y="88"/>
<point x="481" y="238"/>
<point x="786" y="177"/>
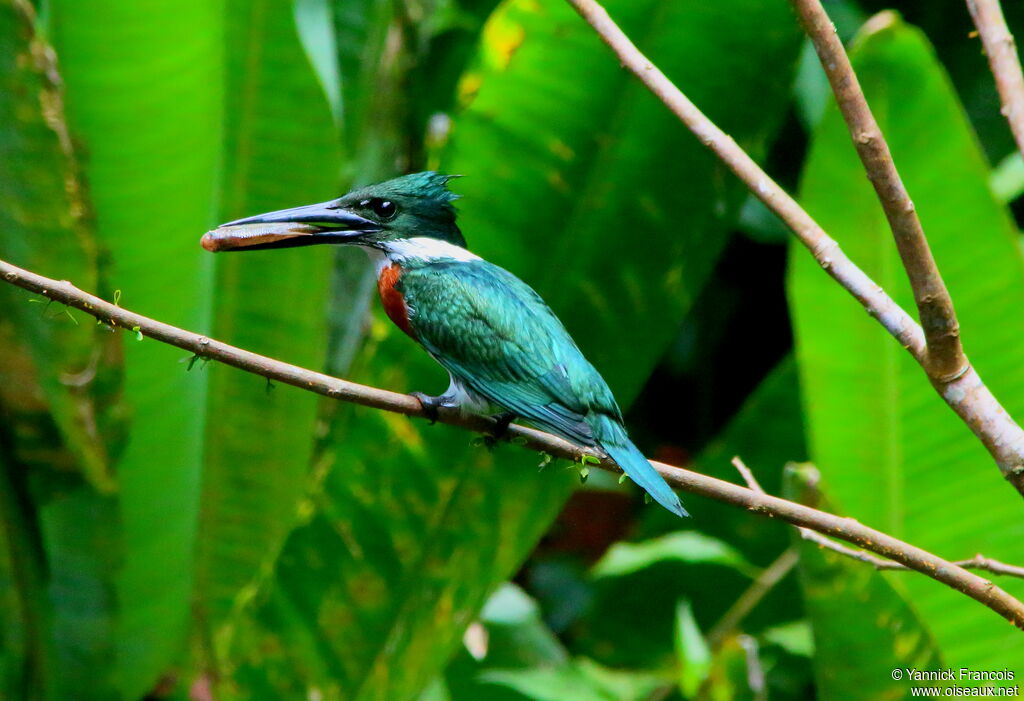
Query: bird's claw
<point x="499" y="431"/>
<point x="429" y="404"/>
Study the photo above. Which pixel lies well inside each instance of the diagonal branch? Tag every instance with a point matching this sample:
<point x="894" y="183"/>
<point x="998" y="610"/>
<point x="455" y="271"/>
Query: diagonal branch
<point x="824" y="248"/>
<point x="754" y="595"/>
<point x="966" y="394"/>
<point x="765" y="505"/>
<point x="1004" y="62"/>
<point x="978" y="562"/>
<point x="944" y="356"/>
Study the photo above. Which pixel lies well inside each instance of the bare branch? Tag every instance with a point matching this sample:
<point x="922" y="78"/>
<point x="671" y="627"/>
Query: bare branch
<point x="754" y="594"/>
<point x="1004" y="62"/>
<point x="846" y="529"/>
<point x="944" y="359"/>
<point x="824" y="248"/>
<point x="966" y="394"/>
<point x="978" y="562"/>
<point x="747" y="475"/>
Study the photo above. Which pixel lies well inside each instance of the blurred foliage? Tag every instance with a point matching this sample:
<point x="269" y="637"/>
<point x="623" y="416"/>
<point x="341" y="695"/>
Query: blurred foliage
<point x="170" y="529"/>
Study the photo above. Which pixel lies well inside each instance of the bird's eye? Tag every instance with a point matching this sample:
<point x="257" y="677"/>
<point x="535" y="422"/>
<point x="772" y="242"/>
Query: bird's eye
<point x="385" y="209"/>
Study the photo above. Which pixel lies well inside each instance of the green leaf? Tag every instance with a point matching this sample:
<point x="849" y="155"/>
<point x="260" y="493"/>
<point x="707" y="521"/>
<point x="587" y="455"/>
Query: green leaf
<point x="314" y="21"/>
<point x="795" y="638"/>
<point x="43" y="228"/>
<point x="513" y="637"/>
<point x="437" y="691"/>
<point x="692" y="650"/>
<point x="144" y="93"/>
<point x="864" y="627"/>
<point x="582" y="680"/>
<point x="892" y="453"/>
<point x="638" y="586"/>
<point x="1007" y="178"/>
<point x="278" y="154"/>
<point x="516" y="633"/>
<point x="688" y="547"/>
<point x="80" y="532"/>
<point x="58" y="523"/>
<point x="390" y="563"/>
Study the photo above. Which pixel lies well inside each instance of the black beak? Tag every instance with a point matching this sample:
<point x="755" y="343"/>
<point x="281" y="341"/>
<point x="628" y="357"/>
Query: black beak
<point x="287" y="228"/>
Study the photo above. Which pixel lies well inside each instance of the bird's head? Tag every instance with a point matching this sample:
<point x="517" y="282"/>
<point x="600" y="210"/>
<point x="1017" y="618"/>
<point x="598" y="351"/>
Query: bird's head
<point x="417" y="205"/>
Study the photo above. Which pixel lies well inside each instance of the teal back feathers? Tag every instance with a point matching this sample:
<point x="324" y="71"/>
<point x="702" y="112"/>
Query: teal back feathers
<point x="496" y="335"/>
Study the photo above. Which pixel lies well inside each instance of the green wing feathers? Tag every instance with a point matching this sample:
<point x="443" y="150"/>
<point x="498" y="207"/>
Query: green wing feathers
<point x="493" y="332"/>
<point x="496" y="335"/>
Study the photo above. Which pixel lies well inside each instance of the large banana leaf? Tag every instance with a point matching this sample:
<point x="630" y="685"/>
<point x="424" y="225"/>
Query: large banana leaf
<point x="281" y="151"/>
<point x="58" y="523"/>
<point x="891" y="451"/>
<point x="43" y="228"/>
<point x="144" y="94"/>
<point x="411" y="529"/>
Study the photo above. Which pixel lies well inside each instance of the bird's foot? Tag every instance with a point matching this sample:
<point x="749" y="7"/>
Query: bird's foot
<point x="430" y="405"/>
<point x="499" y="431"/>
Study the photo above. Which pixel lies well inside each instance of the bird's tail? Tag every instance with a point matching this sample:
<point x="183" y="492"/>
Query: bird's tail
<point x="611" y="436"/>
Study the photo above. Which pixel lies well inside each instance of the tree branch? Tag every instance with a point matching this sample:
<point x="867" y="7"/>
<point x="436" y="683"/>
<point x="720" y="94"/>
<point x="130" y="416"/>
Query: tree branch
<point x="966" y="394"/>
<point x="1001" y="50"/>
<point x="944" y="357"/>
<point x="772" y="507"/>
<point x="754" y="594"/>
<point x="978" y="562"/>
<point x="824" y="248"/>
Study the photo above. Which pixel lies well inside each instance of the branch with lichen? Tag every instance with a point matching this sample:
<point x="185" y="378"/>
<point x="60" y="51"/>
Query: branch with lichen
<point x="944" y="358"/>
<point x="978" y="562"/>
<point x="761" y="504"/>
<point x="936" y="348"/>
<point x="1001" y="50"/>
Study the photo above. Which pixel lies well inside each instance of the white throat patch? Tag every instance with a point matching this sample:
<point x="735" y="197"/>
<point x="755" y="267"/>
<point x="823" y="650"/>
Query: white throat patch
<point x="426" y="248"/>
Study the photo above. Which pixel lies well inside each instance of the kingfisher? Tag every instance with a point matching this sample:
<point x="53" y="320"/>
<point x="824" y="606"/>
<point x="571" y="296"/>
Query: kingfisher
<point x="506" y="352"/>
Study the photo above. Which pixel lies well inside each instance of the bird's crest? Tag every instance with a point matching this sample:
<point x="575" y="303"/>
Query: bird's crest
<point x="428" y="185"/>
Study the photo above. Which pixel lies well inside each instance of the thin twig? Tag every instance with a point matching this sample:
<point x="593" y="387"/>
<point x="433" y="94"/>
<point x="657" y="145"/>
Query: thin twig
<point x="967" y="395"/>
<point x="754" y="594"/>
<point x="747" y="475"/>
<point x="846" y="529"/>
<point x="978" y="562"/>
<point x="1001" y="50"/>
<point x="944" y="358"/>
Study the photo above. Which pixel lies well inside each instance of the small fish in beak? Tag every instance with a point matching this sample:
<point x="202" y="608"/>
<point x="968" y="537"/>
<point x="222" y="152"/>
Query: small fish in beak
<point x="256" y="236"/>
<point x="309" y="225"/>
